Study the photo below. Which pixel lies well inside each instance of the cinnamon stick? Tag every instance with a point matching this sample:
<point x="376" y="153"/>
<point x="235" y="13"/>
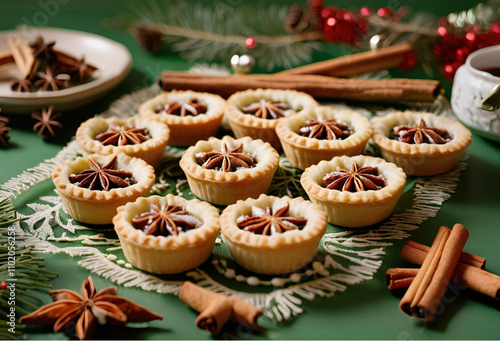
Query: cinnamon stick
<point x="216" y="309"/>
<point x="415" y="253"/>
<point x="380" y="90"/>
<point x="368" y="61"/>
<point x="426" y="290"/>
<point x="469" y="276"/>
<point x="6" y="57"/>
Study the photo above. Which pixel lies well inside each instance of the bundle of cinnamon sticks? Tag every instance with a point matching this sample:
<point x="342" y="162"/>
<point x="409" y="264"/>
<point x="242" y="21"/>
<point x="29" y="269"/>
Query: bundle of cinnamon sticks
<point x="320" y="79"/>
<point x="443" y="262"/>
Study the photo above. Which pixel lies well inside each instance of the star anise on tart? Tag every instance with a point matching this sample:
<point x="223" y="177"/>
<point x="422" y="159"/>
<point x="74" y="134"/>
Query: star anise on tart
<point x="85" y="311"/>
<point x="4" y="136"/>
<point x="170" y="220"/>
<point x="355" y="180"/>
<point x="227" y="160"/>
<point x="49" y="79"/>
<point x="21" y="85"/>
<point x="266" y="222"/>
<point x="47" y="121"/>
<point x="421" y="134"/>
<point x="267" y="109"/>
<point x="102" y="178"/>
<point x="325" y="130"/>
<point x="193" y="107"/>
<point x="43" y="50"/>
<point x="122" y="135"/>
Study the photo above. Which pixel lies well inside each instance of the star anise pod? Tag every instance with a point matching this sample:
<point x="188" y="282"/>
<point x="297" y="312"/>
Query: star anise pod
<point x="102" y="178"/>
<point x="4" y="136"/>
<point x="47" y="120"/>
<point x="49" y="79"/>
<point x="69" y="309"/>
<point x="265" y="222"/>
<point x="43" y="50"/>
<point x="122" y="135"/>
<point x="193" y="107"/>
<point x="227" y="160"/>
<point x="77" y="67"/>
<point x="167" y="221"/>
<point x="356" y="180"/>
<point x="149" y="39"/>
<point x="21" y="85"/>
<point x="325" y="130"/>
<point x="421" y="134"/>
<point x="267" y="109"/>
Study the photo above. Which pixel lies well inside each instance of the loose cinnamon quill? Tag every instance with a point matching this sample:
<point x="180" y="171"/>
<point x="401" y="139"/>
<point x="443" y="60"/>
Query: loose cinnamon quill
<point x="380" y="90"/>
<point x="425" y="292"/>
<point x="368" y="61"/>
<point x="216" y="309"/>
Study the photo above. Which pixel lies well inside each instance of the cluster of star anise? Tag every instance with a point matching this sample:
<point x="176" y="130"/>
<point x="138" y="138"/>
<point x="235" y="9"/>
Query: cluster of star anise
<point x="52" y="69"/>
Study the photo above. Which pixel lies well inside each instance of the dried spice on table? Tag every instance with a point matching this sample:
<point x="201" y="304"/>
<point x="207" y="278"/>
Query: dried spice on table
<point x="47" y="121"/>
<point x="87" y="310"/>
<point x="4" y="136"/>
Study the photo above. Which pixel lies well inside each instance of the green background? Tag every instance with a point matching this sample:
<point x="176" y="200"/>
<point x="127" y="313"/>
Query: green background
<point x="365" y="311"/>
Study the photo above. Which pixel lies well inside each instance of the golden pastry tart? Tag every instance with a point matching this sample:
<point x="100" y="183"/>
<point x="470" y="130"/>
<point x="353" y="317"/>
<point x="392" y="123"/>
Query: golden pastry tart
<point x="272" y="235"/>
<point x="92" y="188"/>
<point x="255" y="113"/>
<point x="355" y="191"/>
<point x="222" y="171"/>
<point x="191" y="116"/>
<point x="167" y="235"/>
<point x="321" y="133"/>
<point x="420" y="143"/>
<point x="133" y="136"/>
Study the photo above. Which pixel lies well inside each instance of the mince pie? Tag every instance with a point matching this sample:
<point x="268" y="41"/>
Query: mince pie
<point x="272" y="235"/>
<point x="355" y="191"/>
<point x="191" y="116"/>
<point x="420" y="143"/>
<point x="256" y="113"/>
<point x="92" y="188"/>
<point x="222" y="171"/>
<point x="167" y="235"/>
<point x="321" y="133"/>
<point x="133" y="136"/>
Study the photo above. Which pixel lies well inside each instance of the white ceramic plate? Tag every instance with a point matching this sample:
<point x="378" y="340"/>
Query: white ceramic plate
<point x="112" y="59"/>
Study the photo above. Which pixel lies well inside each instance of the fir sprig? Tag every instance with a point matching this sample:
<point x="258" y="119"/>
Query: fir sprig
<point x="286" y="181"/>
<point x="215" y="33"/>
<point x="27" y="270"/>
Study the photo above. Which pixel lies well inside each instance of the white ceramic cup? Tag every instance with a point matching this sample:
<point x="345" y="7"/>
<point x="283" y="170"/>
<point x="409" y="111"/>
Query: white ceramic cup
<point x="471" y="86"/>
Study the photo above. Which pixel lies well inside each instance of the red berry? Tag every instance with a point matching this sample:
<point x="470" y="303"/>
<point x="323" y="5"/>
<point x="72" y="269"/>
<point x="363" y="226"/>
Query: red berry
<point x="250" y="42"/>
<point x="470" y="36"/>
<point x="3" y="285"/>
<point x="365" y="11"/>
<point x="442" y="31"/>
<point x="331" y="22"/>
<point x="495" y="27"/>
<point x="385" y="12"/>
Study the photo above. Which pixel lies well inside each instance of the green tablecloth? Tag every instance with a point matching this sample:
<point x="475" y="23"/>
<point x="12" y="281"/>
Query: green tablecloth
<point x="365" y="311"/>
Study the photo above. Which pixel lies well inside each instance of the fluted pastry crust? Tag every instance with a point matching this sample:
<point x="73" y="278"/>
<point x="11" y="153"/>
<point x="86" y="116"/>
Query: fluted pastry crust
<point x="305" y="151"/>
<point x="355" y="209"/>
<point x="279" y="252"/>
<point x="99" y="207"/>
<point x="187" y="130"/>
<point x="420" y="159"/>
<point x="224" y="188"/>
<point x="260" y="128"/>
<point x="150" y="151"/>
<point x="167" y="254"/>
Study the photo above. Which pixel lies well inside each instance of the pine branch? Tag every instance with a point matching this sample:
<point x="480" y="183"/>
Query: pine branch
<point x="18" y="264"/>
<point x="197" y="32"/>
